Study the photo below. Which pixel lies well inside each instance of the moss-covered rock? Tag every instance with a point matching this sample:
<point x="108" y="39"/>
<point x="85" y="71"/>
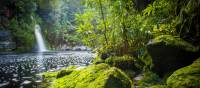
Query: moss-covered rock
<point x="186" y="77"/>
<point x="94" y="76"/>
<point x="174" y="41"/>
<point x="149" y="79"/>
<point x="67" y="71"/>
<point x="97" y="60"/>
<point x="159" y="86"/>
<point x="50" y="77"/>
<point x="123" y="62"/>
<point x="170" y="53"/>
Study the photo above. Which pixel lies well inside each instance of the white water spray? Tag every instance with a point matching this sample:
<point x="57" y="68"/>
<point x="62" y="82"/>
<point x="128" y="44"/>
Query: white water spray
<point x="40" y="40"/>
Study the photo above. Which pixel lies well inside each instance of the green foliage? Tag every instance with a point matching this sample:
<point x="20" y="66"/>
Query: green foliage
<point x="186" y="77"/>
<point x="147" y="62"/>
<point x="61" y="18"/>
<point x="149" y="79"/>
<point x="113" y="25"/>
<point x="25" y="7"/>
<point x="24" y="34"/>
<point x="174" y="17"/>
<point x="22" y="24"/>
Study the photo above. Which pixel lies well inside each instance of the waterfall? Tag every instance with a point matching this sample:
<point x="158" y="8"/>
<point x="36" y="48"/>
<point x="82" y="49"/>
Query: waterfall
<point x="40" y="41"/>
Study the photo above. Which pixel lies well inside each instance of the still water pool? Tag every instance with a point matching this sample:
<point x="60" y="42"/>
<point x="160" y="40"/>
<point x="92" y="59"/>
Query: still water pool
<point x="22" y="70"/>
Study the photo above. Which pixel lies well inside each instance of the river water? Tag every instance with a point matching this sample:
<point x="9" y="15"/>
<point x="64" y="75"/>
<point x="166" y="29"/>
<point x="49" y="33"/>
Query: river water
<point x="21" y="70"/>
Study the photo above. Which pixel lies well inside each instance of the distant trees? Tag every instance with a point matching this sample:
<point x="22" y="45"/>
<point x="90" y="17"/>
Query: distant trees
<point x="59" y="21"/>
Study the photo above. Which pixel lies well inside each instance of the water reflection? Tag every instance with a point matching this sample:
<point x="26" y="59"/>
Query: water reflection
<point x="20" y="71"/>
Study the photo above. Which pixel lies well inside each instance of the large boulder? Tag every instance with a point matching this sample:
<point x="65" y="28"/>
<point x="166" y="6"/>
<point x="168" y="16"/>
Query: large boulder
<point x="94" y="76"/>
<point x="170" y="53"/>
<point x="186" y="77"/>
<point x="122" y="62"/>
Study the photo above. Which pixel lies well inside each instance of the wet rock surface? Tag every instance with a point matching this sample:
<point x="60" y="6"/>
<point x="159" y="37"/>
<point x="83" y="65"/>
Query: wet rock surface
<point x="170" y="53"/>
<point x="21" y="70"/>
<point x="6" y="42"/>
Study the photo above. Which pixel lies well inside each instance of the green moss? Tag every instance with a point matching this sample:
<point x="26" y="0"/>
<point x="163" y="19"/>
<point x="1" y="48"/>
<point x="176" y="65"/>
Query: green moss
<point x="187" y="77"/>
<point x="149" y="79"/>
<point x="130" y="73"/>
<point x="97" y="60"/>
<point x="175" y="41"/>
<point x="50" y="77"/>
<point x="159" y="86"/>
<point x="95" y="76"/>
<point x="123" y="62"/>
<point x="66" y="71"/>
<point x="47" y="75"/>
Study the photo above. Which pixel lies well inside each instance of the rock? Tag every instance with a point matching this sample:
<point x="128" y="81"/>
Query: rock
<point x="186" y="77"/>
<point x="38" y="81"/>
<point x="26" y="82"/>
<point x="94" y="76"/>
<point x="81" y="48"/>
<point x="171" y="53"/>
<point x="148" y="79"/>
<point x="5" y="36"/>
<point x="123" y="62"/>
<point x="97" y="60"/>
<point x="6" y="43"/>
<point x="67" y="71"/>
<point x="2" y="85"/>
<point x="105" y="56"/>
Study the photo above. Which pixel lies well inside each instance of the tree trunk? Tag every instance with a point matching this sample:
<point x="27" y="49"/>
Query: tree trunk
<point x="104" y="21"/>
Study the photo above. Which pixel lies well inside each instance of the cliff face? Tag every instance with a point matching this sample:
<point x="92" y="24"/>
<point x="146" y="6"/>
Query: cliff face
<point x="6" y="13"/>
<point x="17" y="20"/>
<point x="6" y="42"/>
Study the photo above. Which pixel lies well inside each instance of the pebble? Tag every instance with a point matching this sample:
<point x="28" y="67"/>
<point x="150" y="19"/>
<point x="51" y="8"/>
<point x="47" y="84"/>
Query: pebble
<point x="26" y="82"/>
<point x="15" y="80"/>
<point x="38" y="81"/>
<point x="4" y="84"/>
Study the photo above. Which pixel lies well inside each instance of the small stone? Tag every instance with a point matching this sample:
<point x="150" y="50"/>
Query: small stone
<point x="26" y="82"/>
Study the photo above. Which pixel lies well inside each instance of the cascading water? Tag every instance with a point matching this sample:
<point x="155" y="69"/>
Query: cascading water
<point x="40" y="40"/>
<point x="40" y="46"/>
